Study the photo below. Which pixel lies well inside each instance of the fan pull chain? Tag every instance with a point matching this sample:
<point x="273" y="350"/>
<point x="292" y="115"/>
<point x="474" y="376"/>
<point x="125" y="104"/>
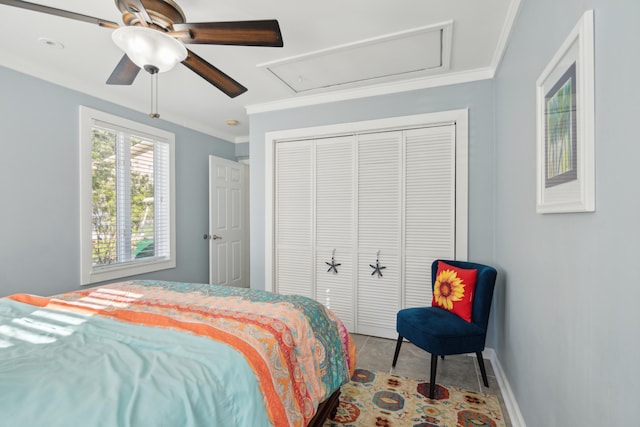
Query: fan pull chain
<point x="154" y="90"/>
<point x="154" y="108"/>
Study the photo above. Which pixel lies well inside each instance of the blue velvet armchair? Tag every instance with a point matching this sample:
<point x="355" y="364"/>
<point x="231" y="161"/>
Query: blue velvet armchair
<point x="441" y="332"/>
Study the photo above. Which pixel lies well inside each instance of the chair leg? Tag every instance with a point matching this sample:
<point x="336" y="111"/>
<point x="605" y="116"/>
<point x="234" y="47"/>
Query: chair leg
<point x="483" y="371"/>
<point x="432" y="380"/>
<point x="395" y="356"/>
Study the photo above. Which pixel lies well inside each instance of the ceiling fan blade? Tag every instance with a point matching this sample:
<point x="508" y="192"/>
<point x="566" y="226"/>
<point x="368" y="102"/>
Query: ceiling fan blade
<point x="59" y="12"/>
<point x="125" y="72"/>
<point x="213" y="75"/>
<point x="243" y="33"/>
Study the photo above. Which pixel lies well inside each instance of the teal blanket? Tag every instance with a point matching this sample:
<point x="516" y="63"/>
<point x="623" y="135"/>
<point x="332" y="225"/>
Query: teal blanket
<point x="102" y="372"/>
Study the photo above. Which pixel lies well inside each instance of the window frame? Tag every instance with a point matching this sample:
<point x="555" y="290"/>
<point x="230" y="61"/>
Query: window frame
<point x="88" y="273"/>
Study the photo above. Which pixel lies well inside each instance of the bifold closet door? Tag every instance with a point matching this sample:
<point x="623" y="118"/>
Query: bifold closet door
<point x="379" y="230"/>
<point x="294" y="269"/>
<point x="335" y="225"/>
<point x="360" y="218"/>
<point x="429" y="211"/>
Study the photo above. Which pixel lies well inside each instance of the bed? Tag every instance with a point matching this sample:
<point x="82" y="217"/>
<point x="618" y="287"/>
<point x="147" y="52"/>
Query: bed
<point x="158" y="353"/>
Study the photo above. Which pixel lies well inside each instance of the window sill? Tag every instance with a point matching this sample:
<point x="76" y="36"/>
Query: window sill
<point x="119" y="271"/>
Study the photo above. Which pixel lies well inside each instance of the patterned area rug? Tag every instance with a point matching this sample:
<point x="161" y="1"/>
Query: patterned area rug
<point x="374" y="399"/>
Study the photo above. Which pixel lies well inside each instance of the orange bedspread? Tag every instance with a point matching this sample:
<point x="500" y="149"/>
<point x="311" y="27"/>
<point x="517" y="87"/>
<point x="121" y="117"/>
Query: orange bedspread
<point x="300" y="352"/>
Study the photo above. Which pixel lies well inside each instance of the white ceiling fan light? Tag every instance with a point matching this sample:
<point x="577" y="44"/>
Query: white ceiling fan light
<point x="147" y="47"/>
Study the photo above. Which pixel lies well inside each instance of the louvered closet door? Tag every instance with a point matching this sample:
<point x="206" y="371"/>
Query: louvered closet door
<point x="334" y="210"/>
<point x="379" y="181"/>
<point x="294" y="218"/>
<point x="386" y="199"/>
<point x="429" y="208"/>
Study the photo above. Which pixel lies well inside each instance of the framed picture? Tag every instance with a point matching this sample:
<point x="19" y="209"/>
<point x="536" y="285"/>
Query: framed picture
<point x="565" y="125"/>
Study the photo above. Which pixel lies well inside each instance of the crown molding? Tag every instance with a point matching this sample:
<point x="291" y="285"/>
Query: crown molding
<point x="375" y="90"/>
<point x="505" y="34"/>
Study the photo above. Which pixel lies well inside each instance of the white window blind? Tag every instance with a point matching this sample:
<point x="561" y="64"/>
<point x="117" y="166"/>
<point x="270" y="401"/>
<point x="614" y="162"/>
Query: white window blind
<point x="126" y="197"/>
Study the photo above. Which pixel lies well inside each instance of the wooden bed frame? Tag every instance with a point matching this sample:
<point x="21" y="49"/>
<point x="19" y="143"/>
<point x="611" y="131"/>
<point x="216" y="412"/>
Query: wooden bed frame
<point x="325" y="409"/>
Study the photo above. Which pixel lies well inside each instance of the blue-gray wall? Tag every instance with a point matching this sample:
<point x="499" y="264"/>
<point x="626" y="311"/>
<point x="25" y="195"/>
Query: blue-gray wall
<point x="39" y="188"/>
<point x="477" y="97"/>
<point x="569" y="329"/>
<point x="242" y="150"/>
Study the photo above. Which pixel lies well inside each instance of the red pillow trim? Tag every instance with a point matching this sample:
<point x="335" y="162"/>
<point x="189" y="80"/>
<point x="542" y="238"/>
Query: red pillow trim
<point x="453" y="289"/>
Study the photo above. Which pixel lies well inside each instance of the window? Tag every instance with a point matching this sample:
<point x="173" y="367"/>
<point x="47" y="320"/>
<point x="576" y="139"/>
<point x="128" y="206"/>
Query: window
<point x="127" y="209"/>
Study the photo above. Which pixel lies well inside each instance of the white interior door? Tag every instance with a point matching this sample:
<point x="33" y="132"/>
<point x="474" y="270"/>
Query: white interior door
<point x="228" y="224"/>
<point x="379" y="231"/>
<point x="430" y="210"/>
<point x="393" y="197"/>
<point x="335" y="222"/>
<point x="294" y="219"/>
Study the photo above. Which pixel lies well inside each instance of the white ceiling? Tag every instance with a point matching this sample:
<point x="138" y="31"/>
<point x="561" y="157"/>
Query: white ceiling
<point x="310" y="30"/>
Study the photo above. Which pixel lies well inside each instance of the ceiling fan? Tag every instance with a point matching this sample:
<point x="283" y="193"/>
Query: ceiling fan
<point x="164" y="20"/>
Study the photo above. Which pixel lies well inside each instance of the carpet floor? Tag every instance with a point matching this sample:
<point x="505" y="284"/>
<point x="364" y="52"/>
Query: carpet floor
<point x="378" y="399"/>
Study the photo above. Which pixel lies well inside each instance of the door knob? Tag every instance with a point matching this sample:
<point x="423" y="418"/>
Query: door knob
<point x="212" y="237"/>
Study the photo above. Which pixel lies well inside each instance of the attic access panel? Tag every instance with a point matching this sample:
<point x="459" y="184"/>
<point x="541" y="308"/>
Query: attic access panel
<point x="412" y="53"/>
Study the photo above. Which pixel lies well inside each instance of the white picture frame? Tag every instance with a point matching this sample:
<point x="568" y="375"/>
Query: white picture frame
<point x="566" y="125"/>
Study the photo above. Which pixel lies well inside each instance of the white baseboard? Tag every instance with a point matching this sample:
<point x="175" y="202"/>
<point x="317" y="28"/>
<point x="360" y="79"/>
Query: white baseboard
<point x="507" y="395"/>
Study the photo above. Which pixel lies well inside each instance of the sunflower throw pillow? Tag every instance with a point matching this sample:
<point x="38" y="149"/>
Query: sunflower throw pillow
<point x="453" y="289"/>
